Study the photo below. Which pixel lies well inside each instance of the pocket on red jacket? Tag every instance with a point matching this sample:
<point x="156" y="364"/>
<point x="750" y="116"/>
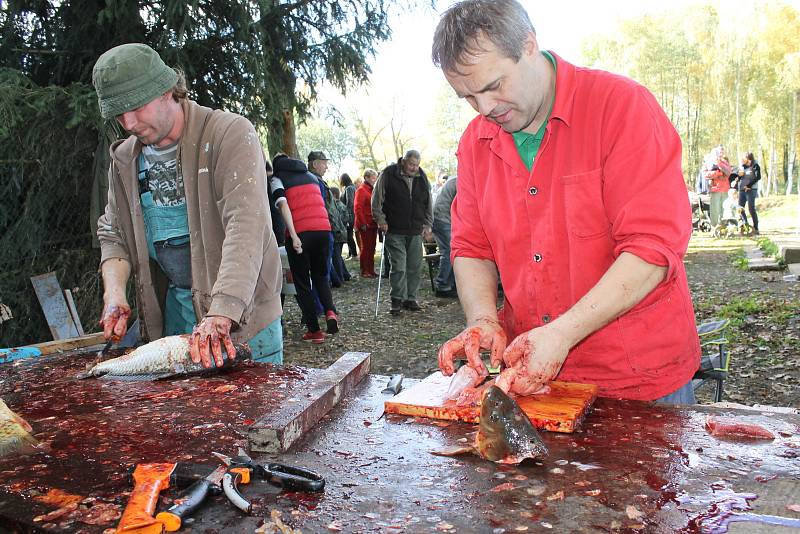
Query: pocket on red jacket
<point x="583" y="204"/>
<point x="658" y="336"/>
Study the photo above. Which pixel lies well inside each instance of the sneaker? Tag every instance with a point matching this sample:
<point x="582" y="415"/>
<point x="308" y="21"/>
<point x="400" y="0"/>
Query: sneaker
<point x="332" y="321"/>
<point x="411" y="305"/>
<point x="397" y="307"/>
<point x="314" y="337"/>
<point x="447" y="293"/>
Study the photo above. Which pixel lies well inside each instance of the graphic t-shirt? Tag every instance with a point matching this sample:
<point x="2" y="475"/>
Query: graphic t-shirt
<point x="161" y="171"/>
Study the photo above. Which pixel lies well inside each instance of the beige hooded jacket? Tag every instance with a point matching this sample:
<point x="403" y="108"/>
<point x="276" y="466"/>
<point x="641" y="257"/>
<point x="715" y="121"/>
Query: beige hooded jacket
<point x="236" y="269"/>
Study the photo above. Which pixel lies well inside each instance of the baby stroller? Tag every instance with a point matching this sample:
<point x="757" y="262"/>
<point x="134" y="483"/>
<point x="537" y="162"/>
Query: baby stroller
<point x="701" y="212"/>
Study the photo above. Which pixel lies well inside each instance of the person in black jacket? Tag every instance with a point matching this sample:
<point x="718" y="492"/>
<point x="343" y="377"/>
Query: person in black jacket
<point x="747" y="185"/>
<point x="403" y="209"/>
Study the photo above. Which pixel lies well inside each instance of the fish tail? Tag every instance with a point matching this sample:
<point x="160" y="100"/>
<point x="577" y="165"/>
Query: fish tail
<point x="20" y="443"/>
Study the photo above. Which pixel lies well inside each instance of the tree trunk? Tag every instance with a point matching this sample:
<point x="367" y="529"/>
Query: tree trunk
<point x="792" y="146"/>
<point x="289" y="135"/>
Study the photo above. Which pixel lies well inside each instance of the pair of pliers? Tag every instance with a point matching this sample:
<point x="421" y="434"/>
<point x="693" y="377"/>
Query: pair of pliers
<point x="242" y="468"/>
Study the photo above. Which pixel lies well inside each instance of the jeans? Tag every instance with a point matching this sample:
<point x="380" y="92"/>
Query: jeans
<point x="338" y="262"/>
<point x="749" y="198"/>
<point x="682" y="395"/>
<point x="309" y="268"/>
<point x="406" y="254"/>
<point x="446" y="279"/>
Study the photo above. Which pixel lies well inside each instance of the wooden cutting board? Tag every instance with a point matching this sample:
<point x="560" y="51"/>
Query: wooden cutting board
<point x="561" y="410"/>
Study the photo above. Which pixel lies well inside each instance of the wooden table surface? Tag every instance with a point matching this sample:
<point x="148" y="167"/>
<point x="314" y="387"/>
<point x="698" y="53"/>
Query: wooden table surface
<point x="634" y="467"/>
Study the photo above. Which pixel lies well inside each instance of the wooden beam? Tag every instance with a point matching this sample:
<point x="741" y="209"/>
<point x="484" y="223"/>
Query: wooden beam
<point x="63" y="345"/>
<point x="314" y="400"/>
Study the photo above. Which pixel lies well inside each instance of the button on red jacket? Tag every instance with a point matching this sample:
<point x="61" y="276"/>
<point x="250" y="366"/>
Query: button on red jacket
<point x="607" y="179"/>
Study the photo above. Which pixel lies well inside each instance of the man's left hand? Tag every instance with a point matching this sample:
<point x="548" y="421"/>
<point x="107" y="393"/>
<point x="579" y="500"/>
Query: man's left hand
<point x="532" y="360"/>
<point x="427" y="234"/>
<point x="208" y="338"/>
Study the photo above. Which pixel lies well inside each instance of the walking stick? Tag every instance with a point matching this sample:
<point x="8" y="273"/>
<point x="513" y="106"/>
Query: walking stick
<point x="380" y="276"/>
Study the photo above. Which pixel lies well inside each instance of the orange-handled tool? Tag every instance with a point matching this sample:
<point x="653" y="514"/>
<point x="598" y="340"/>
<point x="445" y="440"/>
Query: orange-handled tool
<point x="149" y="481"/>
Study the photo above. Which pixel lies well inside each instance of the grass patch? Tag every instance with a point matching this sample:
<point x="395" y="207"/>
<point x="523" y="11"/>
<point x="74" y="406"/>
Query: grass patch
<point x="771" y="249"/>
<point x="742" y="311"/>
<point x="739" y="259"/>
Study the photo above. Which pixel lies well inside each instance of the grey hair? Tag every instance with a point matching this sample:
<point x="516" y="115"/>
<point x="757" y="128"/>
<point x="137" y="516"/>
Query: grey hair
<point x="505" y="23"/>
<point x="412" y="154"/>
<point x="370" y="172"/>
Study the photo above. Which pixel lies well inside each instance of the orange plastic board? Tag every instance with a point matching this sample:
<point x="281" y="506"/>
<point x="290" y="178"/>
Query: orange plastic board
<point x="561" y="410"/>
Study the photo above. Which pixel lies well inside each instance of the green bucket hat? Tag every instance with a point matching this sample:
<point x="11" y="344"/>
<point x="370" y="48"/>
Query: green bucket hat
<point x="129" y="76"/>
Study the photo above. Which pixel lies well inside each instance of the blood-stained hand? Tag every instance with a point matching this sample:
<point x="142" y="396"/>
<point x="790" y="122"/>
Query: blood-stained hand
<point x="532" y="360"/>
<point x="208" y="338"/>
<point x="114" y="320"/>
<point x="484" y="333"/>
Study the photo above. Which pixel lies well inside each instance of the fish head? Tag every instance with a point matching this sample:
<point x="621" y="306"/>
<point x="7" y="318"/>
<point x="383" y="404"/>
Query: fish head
<point x="505" y="434"/>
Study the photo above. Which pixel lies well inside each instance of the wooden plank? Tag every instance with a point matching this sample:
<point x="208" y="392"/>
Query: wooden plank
<point x="276" y="433"/>
<point x="63" y="345"/>
<point x="48" y="291"/>
<point x="561" y="410"/>
<point x="50" y="347"/>
<point x="73" y="312"/>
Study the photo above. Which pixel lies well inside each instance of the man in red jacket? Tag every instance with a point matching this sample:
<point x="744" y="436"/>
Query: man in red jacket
<point x="553" y="195"/>
<point x="365" y="225"/>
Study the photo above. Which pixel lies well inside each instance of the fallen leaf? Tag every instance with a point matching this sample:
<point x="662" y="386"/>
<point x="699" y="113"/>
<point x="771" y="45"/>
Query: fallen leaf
<point x="559" y="495"/>
<point x="502" y="487"/>
<point x="632" y="512"/>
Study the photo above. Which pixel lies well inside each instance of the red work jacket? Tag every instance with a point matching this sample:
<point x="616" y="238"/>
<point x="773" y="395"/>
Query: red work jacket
<point x="607" y="179"/>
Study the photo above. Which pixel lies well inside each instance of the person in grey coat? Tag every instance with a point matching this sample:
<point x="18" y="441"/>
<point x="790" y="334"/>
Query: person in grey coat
<point x="445" y="281"/>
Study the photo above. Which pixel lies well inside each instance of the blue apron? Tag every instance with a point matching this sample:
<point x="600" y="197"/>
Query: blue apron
<point x="167" y="232"/>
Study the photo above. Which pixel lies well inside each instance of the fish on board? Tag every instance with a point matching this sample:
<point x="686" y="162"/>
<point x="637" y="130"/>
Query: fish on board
<point x="15" y="433"/>
<point x="162" y="358"/>
<point x="505" y="434"/>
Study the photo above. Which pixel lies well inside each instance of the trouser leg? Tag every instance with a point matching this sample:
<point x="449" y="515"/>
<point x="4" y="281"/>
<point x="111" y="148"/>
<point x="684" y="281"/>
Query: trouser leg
<point x="395" y="245"/>
<point x="716" y="207"/>
<point x="351" y="243"/>
<point x="445" y="280"/>
<point x="319" y="265"/>
<point x="682" y="395"/>
<point x="300" y="266"/>
<point x="751" y="206"/>
<point x="413" y="265"/>
<point x="367" y="252"/>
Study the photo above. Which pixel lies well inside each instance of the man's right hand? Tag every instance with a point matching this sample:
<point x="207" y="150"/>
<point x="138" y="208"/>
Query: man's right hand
<point x="484" y="333"/>
<point x="383" y="228"/>
<point x="115" y="319"/>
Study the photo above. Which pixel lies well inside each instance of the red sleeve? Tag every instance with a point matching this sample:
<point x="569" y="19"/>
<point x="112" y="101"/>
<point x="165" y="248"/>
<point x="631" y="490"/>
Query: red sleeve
<point x="468" y="239"/>
<point x="644" y="193"/>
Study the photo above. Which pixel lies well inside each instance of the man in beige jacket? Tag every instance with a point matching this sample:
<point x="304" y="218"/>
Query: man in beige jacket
<point x="187" y="214"/>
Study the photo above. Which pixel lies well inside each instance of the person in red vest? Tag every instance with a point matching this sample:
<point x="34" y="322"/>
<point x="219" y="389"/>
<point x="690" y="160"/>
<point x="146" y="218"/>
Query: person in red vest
<point x="296" y="194"/>
<point x="365" y="225"/>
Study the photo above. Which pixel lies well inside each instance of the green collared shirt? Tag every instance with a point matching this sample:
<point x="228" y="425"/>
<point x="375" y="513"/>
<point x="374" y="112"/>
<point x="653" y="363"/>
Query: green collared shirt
<point x="528" y="144"/>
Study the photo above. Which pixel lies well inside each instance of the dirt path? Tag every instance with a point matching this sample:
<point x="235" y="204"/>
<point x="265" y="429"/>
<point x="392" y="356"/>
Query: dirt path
<point x="765" y="329"/>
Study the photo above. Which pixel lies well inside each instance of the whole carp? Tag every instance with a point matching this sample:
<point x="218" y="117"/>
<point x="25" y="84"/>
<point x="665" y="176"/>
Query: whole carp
<point x="505" y="434"/>
<point x="15" y="434"/>
<point x="162" y="358"/>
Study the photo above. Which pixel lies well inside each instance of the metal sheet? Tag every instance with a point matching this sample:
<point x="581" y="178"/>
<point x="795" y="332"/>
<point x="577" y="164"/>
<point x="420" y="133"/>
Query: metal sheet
<point x="48" y="291"/>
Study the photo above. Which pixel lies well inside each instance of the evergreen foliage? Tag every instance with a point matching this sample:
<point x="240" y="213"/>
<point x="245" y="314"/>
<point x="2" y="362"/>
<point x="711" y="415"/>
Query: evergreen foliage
<point x="263" y="59"/>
